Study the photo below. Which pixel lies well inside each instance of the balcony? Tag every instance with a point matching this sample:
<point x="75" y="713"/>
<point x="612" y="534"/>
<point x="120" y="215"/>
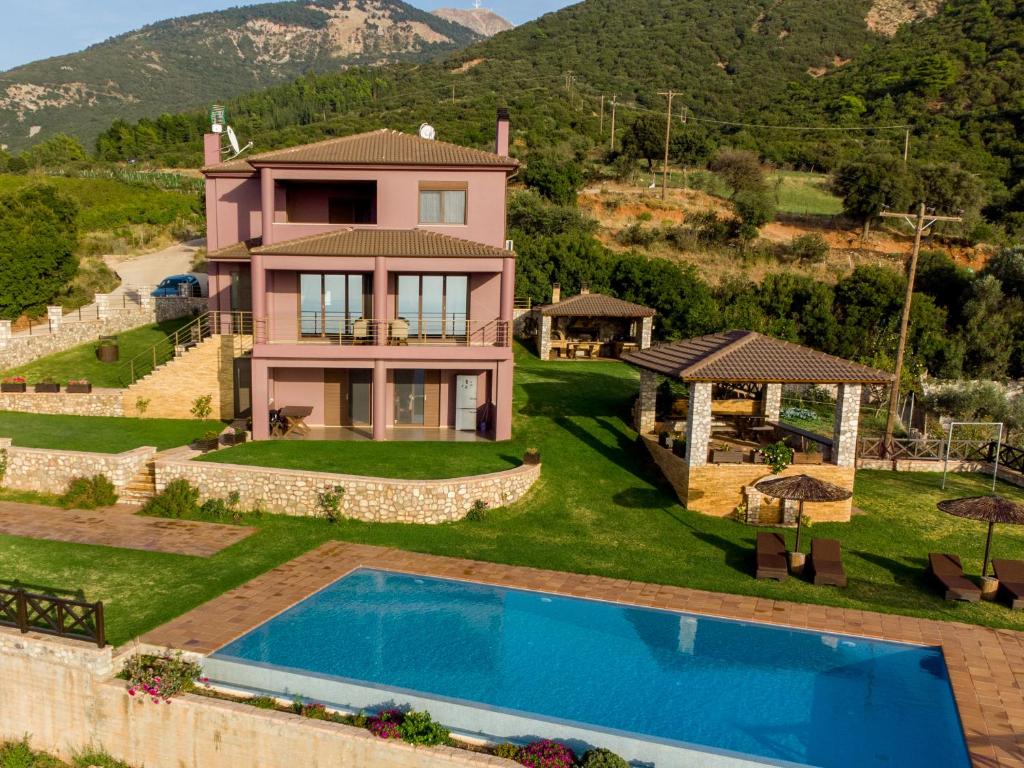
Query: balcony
<point x="325" y="329"/>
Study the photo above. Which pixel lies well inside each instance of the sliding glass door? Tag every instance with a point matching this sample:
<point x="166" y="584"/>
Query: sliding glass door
<point x="329" y="304"/>
<point x="410" y="396"/>
<point x="435" y="306"/>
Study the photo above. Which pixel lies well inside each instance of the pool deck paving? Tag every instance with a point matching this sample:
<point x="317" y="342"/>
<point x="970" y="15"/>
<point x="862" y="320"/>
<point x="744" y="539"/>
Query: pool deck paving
<point x="119" y="527"/>
<point x="986" y="666"/>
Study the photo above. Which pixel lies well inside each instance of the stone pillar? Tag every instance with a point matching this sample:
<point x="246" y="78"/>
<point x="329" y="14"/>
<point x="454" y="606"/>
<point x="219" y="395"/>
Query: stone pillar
<point x="503" y="401"/>
<point x="5" y="333"/>
<point x="645" y="416"/>
<point x="645" y="332"/>
<point x="698" y="424"/>
<point x="544" y="339"/>
<point x="844" y="433"/>
<point x="104" y="305"/>
<point x="772" y="402"/>
<point x="379" y="400"/>
<point x="146" y="297"/>
<point x="55" y="316"/>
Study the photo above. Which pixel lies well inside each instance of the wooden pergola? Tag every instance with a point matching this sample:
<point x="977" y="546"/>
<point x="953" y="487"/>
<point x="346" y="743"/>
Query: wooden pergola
<point x="592" y="325"/>
<point x="735" y="381"/>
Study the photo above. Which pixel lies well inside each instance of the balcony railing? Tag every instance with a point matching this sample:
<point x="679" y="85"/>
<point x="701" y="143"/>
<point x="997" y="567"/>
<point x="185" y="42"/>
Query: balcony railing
<point x="318" y="329"/>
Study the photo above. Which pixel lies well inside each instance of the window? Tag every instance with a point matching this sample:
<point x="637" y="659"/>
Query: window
<point x="410" y="394"/>
<point x="334" y="202"/>
<point x="434" y="305"/>
<point x="443" y="204"/>
<point x="331" y="303"/>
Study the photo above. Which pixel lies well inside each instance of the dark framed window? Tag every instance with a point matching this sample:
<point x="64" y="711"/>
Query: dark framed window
<point x="434" y="305"/>
<point x="330" y="303"/>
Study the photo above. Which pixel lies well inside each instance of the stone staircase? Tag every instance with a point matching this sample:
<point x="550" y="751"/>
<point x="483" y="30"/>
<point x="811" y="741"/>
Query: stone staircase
<point x="142" y="487"/>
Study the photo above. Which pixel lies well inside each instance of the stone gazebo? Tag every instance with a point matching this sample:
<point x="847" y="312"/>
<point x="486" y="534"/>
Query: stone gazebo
<point x="591" y="325"/>
<point x="735" y="381"/>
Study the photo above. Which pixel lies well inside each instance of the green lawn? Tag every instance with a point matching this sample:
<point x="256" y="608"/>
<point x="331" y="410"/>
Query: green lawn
<point x="805" y="193"/>
<point x="104" y="434"/>
<point x="80" y="362"/>
<point x="599" y="508"/>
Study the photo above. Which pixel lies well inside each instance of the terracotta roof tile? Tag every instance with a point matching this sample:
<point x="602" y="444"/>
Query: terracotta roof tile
<point x="747" y="356"/>
<point x="239" y="165"/>
<point x="596" y="305"/>
<point x="383" y="242"/>
<point x="237" y="252"/>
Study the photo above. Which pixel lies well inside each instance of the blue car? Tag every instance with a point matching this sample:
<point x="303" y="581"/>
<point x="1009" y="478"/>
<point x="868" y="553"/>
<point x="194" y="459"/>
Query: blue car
<point x="179" y="285"/>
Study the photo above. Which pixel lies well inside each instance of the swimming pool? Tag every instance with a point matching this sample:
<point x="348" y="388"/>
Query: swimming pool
<point x="509" y="663"/>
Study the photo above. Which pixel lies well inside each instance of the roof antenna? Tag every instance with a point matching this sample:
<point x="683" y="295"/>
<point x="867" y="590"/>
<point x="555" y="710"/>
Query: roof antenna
<point x="218" y="124"/>
<point x="233" y="142"/>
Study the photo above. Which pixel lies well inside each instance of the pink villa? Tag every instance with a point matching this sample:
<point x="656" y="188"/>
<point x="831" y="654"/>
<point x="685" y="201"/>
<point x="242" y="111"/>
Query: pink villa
<point x="379" y="281"/>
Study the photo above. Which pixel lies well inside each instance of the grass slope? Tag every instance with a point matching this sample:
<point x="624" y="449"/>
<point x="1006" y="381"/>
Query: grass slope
<point x="102" y="434"/>
<point x="599" y="508"/>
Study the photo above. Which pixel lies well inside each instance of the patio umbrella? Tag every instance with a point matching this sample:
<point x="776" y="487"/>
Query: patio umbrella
<point x="802" y="488"/>
<point x="987" y="509"/>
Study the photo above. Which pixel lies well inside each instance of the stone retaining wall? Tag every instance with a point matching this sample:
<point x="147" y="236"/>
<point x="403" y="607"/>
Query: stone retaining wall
<point x="49" y="471"/>
<point x="380" y="500"/>
<point x="60" y="694"/>
<point x="100" y="402"/>
<point x="932" y="465"/>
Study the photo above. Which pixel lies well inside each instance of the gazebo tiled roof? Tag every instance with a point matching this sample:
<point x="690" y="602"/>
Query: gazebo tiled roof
<point x="365" y="242"/>
<point x="595" y="305"/>
<point x="381" y="147"/>
<point x="750" y="357"/>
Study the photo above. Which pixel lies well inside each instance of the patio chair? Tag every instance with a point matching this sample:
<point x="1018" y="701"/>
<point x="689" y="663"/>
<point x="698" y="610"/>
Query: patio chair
<point x="361" y="331"/>
<point x="399" y="331"/>
<point x="1011" y="581"/>
<point x="825" y="565"/>
<point x="771" y="557"/>
<point x="948" y="571"/>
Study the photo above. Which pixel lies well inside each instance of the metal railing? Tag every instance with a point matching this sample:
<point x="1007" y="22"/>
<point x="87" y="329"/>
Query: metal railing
<point x="526" y="303"/>
<point x="236" y="324"/>
<point x="51" y="615"/>
<point x="371" y="332"/>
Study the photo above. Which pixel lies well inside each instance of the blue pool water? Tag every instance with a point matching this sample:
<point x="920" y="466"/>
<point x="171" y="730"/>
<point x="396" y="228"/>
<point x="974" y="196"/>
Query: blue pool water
<point x="787" y="695"/>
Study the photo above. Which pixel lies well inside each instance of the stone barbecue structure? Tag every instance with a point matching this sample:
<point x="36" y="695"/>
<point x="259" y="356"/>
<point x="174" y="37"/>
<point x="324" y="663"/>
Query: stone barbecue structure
<point x="591" y="325"/>
<point x="735" y="381"/>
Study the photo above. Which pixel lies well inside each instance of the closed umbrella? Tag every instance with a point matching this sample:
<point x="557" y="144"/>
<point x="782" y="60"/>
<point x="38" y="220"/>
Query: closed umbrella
<point x="802" y="488"/>
<point x="987" y="509"/>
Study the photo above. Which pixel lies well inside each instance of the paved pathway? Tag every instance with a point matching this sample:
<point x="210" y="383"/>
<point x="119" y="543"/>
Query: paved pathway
<point x="986" y="666"/>
<point x="119" y="527"/>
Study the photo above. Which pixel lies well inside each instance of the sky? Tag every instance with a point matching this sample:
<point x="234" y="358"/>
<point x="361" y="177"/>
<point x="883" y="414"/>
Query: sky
<point x="37" y="29"/>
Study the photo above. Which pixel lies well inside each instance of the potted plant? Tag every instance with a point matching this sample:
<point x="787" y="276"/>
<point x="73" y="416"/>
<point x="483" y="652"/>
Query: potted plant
<point x="723" y="454"/>
<point x="47" y="385"/>
<point x="79" y="386"/>
<point x="208" y="442"/>
<point x="665" y="439"/>
<point x="13" y="384"/>
<point x="810" y="456"/>
<point x="107" y="350"/>
<point x="532" y="456"/>
<point x="778" y="456"/>
<point x="679" y="447"/>
<point x="234" y="436"/>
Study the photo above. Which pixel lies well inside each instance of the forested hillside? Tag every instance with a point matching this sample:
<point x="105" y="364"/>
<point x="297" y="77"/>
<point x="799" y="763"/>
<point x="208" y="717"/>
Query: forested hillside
<point x="194" y="60"/>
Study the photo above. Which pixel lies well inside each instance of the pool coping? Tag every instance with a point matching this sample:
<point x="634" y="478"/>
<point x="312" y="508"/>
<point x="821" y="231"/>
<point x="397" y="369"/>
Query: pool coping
<point x="986" y="666"/>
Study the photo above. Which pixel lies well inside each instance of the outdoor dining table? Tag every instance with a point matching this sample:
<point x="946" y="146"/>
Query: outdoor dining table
<point x="295" y="418"/>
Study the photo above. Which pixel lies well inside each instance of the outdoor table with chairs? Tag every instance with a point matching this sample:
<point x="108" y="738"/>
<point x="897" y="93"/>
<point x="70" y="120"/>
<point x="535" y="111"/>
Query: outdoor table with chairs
<point x="290" y="419"/>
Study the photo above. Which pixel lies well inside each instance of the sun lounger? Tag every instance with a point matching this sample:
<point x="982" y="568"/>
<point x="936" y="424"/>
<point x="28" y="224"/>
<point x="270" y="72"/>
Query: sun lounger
<point x="1011" y="581"/>
<point x="947" y="570"/>
<point x="826" y="563"/>
<point x="771" y="557"/>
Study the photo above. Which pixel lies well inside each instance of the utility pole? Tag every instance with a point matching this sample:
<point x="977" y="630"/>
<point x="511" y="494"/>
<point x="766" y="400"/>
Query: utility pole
<point x="453" y="93"/>
<point x="685" y="115"/>
<point x="668" y="136"/>
<point x="906" y="147"/>
<point x="614" y="99"/>
<point x="921" y="222"/>
<point x="600" y="130"/>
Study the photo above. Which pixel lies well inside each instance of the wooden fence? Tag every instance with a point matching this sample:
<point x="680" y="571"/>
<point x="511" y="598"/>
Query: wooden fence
<point x="934" y="449"/>
<point x="31" y="612"/>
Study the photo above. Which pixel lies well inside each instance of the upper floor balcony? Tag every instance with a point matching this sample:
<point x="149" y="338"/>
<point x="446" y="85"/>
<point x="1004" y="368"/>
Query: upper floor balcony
<point x="339" y="329"/>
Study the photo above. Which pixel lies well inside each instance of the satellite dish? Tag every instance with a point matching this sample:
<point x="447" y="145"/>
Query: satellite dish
<point x="427" y="132"/>
<point x="236" y="149"/>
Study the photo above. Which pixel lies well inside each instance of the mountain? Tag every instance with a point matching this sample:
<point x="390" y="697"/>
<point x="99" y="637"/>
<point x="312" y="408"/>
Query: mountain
<point x="193" y="61"/>
<point x="482" y="21"/>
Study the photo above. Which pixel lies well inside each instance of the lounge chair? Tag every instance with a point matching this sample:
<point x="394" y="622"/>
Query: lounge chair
<point x="948" y="571"/>
<point x="1011" y="581"/>
<point x="825" y="564"/>
<point x="771" y="557"/>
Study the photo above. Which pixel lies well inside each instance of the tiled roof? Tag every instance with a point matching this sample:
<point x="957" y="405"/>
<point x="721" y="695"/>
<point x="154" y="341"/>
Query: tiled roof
<point x="383" y="147"/>
<point x="239" y="165"/>
<point x="746" y="356"/>
<point x="596" y="305"/>
<point x="237" y="252"/>
<point x="383" y="242"/>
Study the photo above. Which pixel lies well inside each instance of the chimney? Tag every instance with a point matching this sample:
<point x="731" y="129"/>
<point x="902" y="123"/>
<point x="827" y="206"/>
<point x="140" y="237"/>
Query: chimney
<point x="556" y="293"/>
<point x="501" y="133"/>
<point x="584" y="289"/>
<point x="211" y="149"/>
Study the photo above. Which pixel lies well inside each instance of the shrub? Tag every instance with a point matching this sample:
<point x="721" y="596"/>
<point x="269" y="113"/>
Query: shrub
<point x="507" y="751"/>
<point x="810" y="249"/>
<point x="386" y="724"/>
<point x="420" y="728"/>
<point x="89" y="493"/>
<point x="478" y="512"/>
<point x="328" y="503"/>
<point x="637" y="234"/>
<point x="222" y="509"/>
<point x="141" y="405"/>
<point x="262" y="702"/>
<point x="202" y="407"/>
<point x="602" y="758"/>
<point x="778" y="456"/>
<point x="532" y="456"/>
<point x="160" y="677"/>
<point x="546" y="754"/>
<point x="314" y="711"/>
<point x="178" y="499"/>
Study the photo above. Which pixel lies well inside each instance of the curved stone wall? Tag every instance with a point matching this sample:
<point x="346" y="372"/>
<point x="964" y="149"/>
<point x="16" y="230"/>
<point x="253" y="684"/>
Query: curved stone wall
<point x="373" y="499"/>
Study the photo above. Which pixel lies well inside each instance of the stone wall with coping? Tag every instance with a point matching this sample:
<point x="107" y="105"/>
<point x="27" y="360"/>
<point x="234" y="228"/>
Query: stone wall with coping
<point x="99" y="402"/>
<point x="61" y="696"/>
<point x="379" y="500"/>
<point x="1006" y="474"/>
<point x="46" y="470"/>
<point x="173" y="307"/>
